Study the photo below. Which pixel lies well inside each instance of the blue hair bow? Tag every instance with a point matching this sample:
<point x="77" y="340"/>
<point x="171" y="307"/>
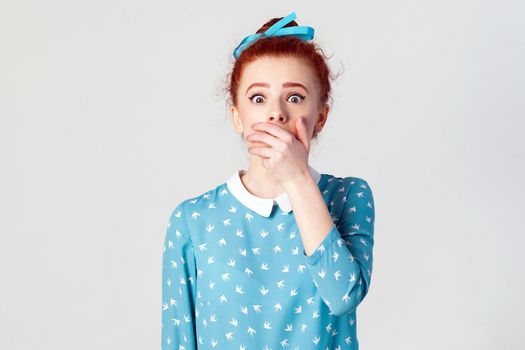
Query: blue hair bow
<point x="301" y="32"/>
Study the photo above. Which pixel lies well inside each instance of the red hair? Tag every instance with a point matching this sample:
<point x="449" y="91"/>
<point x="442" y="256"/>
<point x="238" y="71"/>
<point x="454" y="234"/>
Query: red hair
<point x="283" y="46"/>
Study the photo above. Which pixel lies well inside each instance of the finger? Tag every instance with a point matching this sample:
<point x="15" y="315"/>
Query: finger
<point x="271" y="129"/>
<point x="264" y="152"/>
<point x="263" y="138"/>
<point x="302" y="132"/>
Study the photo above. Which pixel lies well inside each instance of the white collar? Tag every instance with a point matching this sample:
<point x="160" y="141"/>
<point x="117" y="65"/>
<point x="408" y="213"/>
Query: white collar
<point x="262" y="206"/>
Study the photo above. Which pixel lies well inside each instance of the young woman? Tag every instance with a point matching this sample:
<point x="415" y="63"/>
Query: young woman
<point x="278" y="255"/>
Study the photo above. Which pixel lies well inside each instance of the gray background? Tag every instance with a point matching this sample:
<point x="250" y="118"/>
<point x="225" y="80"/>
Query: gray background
<point x="112" y="112"/>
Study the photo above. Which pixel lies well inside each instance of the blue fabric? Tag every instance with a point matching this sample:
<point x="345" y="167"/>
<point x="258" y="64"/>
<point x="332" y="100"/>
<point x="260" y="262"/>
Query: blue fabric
<point x="234" y="279"/>
<point x="301" y="32"/>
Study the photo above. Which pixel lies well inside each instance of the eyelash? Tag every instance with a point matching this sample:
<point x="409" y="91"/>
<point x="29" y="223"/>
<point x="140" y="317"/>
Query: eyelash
<point x="257" y="94"/>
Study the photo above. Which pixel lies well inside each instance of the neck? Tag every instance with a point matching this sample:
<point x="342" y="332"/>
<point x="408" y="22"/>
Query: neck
<point x="259" y="182"/>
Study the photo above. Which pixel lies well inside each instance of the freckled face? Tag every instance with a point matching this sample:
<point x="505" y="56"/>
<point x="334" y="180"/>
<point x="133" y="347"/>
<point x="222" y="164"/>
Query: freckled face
<point x="284" y="88"/>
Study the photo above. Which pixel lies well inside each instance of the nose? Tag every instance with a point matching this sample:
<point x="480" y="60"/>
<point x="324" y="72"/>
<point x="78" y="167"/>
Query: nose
<point x="277" y="117"/>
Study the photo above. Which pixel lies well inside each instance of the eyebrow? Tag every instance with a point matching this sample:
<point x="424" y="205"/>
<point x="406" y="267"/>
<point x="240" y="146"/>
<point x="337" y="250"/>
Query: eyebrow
<point x="287" y="84"/>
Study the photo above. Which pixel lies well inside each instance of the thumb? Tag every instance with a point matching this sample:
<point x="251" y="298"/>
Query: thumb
<point x="302" y="132"/>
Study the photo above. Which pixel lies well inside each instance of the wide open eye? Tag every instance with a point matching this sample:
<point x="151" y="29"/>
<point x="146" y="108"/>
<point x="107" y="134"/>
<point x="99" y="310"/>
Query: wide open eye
<point x="294" y="95"/>
<point x="256" y="95"/>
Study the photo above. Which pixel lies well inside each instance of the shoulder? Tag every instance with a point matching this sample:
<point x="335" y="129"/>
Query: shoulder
<point x="192" y="206"/>
<point x="348" y="185"/>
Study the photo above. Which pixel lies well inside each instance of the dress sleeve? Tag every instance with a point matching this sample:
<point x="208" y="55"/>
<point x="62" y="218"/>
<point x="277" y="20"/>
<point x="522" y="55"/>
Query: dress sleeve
<point x="178" y="285"/>
<point x="341" y="266"/>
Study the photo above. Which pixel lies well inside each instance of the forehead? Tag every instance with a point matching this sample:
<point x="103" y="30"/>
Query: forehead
<point x="275" y="70"/>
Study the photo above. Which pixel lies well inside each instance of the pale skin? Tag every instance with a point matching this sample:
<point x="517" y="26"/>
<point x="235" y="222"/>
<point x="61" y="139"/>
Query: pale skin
<point x="278" y="125"/>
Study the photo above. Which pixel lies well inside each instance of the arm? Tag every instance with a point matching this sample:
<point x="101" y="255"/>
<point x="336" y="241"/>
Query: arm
<point x="178" y="285"/>
<point x="341" y="262"/>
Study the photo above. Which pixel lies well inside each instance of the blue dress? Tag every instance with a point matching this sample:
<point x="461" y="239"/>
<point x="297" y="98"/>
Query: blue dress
<point x="235" y="274"/>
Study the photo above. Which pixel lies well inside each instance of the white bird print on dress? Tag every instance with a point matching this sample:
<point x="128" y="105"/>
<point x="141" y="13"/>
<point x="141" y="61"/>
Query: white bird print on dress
<point x="263" y="233"/>
<point x="210" y="228"/>
<point x="346" y="298"/>
<point x="222" y="242"/>
<point x="211" y="206"/>
<point x="337" y="274"/>
<point x="233" y="209"/>
<point x="280" y="227"/>
<point x="352" y="277"/>
<point x="227" y="222"/>
<point x="276" y="249"/>
<point x="195" y="215"/>
<point x="238" y="289"/>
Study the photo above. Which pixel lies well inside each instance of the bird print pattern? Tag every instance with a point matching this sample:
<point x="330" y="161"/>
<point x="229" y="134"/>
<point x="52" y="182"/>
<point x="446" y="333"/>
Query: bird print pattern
<point x="234" y="279"/>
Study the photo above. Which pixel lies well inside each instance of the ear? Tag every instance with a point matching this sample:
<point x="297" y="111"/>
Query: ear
<point x="322" y="117"/>
<point x="237" y="124"/>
